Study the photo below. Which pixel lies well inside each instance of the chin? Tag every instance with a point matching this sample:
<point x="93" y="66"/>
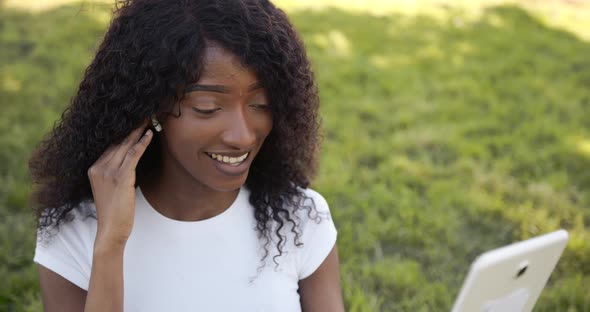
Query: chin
<point x="228" y="185"/>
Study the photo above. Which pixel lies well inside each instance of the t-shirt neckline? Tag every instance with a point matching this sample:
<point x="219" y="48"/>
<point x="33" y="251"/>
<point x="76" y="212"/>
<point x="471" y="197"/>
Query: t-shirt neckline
<point x="227" y="213"/>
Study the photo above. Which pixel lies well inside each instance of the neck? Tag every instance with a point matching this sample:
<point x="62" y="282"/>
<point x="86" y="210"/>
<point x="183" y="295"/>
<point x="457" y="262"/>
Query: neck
<point x="174" y="193"/>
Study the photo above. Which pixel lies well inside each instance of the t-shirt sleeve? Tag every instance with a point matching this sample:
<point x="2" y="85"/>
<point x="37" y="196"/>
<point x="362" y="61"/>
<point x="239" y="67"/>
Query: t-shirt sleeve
<point x="67" y="250"/>
<point x="318" y="238"/>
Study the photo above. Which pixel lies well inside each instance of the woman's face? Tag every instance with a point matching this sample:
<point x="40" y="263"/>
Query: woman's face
<point x="223" y="122"/>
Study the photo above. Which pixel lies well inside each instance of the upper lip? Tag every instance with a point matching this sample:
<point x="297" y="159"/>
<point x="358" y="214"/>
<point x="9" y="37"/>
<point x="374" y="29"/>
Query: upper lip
<point x="230" y="154"/>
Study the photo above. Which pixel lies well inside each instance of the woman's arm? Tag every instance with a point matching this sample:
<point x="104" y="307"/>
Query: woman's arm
<point x="321" y="290"/>
<point x="59" y="294"/>
<point x="105" y="289"/>
<point x="112" y="178"/>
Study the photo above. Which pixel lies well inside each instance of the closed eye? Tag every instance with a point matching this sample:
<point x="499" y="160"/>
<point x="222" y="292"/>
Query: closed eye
<point x="206" y="111"/>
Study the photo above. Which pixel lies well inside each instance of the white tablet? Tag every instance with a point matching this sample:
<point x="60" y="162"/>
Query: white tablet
<point x="511" y="278"/>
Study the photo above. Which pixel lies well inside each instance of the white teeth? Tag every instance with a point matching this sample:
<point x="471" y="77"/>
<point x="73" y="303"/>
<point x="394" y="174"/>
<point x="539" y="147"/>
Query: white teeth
<point x="229" y="160"/>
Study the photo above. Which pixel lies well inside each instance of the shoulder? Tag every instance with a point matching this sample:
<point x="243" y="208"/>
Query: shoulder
<point x="318" y="200"/>
<point x="66" y="249"/>
<point x="313" y="211"/>
<point x="80" y="220"/>
<point x="77" y="222"/>
<point x="313" y="203"/>
<point x="318" y="232"/>
<point x="84" y="214"/>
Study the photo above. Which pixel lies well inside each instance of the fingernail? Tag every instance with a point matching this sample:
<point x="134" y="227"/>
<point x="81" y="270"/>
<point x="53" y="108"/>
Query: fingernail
<point x="148" y="132"/>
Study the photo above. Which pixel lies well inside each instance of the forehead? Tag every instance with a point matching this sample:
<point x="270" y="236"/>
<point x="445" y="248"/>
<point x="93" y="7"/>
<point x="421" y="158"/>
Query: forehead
<point x="220" y="63"/>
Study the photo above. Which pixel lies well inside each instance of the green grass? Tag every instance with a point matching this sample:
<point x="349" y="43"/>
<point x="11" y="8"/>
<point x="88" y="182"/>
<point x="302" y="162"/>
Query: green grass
<point x="444" y="137"/>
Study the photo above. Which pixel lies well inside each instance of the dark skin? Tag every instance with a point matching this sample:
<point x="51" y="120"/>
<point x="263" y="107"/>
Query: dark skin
<point x="224" y="114"/>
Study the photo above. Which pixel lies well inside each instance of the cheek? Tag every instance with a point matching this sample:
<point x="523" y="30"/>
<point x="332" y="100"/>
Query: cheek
<point x="189" y="136"/>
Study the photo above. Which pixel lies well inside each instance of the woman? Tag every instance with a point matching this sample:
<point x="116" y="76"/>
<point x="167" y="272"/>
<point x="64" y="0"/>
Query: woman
<point x="207" y="210"/>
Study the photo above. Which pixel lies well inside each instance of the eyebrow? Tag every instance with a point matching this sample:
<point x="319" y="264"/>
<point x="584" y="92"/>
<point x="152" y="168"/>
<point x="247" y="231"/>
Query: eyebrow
<point x="218" y="88"/>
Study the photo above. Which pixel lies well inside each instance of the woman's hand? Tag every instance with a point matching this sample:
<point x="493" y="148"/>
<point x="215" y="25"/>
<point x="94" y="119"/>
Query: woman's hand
<point x="112" y="178"/>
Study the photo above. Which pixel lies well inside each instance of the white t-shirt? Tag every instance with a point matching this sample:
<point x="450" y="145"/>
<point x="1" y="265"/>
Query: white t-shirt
<point x="209" y="265"/>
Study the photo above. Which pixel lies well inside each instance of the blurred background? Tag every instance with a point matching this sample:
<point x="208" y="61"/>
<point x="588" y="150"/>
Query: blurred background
<point x="450" y="128"/>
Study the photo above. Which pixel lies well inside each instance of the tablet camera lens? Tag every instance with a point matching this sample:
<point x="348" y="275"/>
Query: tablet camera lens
<point x="521" y="271"/>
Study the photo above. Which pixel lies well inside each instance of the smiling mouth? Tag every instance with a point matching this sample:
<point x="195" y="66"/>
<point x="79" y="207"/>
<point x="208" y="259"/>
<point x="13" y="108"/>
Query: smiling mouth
<point x="232" y="161"/>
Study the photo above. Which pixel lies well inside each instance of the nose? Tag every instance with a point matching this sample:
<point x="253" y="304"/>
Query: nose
<point x="239" y="131"/>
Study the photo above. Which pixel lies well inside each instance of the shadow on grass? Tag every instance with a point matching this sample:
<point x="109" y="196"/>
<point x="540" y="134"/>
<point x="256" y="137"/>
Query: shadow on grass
<point x="439" y="134"/>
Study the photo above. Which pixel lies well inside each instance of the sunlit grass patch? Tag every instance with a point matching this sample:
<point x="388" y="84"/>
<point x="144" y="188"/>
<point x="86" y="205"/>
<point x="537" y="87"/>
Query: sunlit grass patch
<point x="583" y="146"/>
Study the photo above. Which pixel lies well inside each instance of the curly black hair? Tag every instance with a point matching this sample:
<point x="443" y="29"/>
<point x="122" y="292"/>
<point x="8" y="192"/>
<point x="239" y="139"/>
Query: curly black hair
<point x="153" y="49"/>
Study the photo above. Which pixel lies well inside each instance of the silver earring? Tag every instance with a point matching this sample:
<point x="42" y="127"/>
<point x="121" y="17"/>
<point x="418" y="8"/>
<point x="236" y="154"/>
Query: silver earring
<point x="156" y="124"/>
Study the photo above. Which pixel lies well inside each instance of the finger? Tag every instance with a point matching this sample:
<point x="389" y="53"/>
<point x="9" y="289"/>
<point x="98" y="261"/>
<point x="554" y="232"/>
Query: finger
<point x="136" y="151"/>
<point x="112" y="149"/>
<point x="106" y="155"/>
<point x="122" y="149"/>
